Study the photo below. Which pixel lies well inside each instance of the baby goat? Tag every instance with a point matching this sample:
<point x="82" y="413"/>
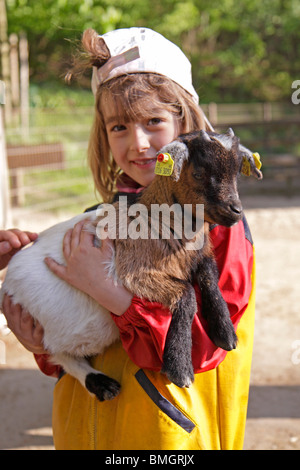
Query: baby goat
<point x="206" y="167"/>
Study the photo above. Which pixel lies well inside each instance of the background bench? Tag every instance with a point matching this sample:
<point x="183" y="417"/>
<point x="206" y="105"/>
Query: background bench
<point x="22" y="158"/>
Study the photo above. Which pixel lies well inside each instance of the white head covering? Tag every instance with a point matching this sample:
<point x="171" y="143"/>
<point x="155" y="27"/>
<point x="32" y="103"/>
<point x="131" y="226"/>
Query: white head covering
<point x="135" y="50"/>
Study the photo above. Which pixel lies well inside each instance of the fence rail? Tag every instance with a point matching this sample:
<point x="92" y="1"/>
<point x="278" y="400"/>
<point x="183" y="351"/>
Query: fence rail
<point x="271" y="129"/>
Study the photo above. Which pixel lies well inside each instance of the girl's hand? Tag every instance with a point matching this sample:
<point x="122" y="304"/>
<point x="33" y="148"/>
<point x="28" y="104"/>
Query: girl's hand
<point x="85" y="269"/>
<point x="12" y="241"/>
<point x="21" y="323"/>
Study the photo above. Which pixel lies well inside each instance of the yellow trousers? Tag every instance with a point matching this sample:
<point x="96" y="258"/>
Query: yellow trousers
<point x="153" y="414"/>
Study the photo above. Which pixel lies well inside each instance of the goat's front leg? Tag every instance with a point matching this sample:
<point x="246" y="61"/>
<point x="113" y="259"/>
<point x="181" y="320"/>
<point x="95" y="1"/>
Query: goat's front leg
<point x="214" y="307"/>
<point x="177" y="357"/>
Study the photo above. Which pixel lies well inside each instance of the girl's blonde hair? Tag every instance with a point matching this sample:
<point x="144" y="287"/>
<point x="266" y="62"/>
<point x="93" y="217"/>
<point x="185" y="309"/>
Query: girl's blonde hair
<point x="135" y="96"/>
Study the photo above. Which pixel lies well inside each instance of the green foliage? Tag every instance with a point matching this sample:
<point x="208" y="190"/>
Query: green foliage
<point x="53" y="95"/>
<point x="245" y="50"/>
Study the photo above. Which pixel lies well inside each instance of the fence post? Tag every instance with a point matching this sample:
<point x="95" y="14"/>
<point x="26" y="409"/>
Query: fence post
<point x="5" y="216"/>
<point x="24" y="84"/>
<point x="213" y="113"/>
<point x="4" y="56"/>
<point x="14" y="69"/>
<point x="267" y="111"/>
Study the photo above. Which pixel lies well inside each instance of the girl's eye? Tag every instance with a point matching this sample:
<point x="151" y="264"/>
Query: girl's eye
<point x="154" y="121"/>
<point x="118" y="128"/>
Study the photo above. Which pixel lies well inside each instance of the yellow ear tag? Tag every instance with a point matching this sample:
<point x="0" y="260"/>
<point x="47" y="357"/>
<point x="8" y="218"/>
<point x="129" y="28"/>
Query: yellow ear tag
<point x="164" y="165"/>
<point x="257" y="160"/>
<point x="246" y="169"/>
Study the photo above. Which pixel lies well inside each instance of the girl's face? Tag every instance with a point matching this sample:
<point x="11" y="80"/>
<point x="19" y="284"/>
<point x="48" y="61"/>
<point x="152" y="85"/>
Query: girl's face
<point x="134" y="144"/>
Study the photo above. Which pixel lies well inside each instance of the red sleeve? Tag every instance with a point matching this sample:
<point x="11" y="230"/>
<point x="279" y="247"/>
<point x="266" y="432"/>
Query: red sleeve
<point x="144" y="326"/>
<point x="46" y="366"/>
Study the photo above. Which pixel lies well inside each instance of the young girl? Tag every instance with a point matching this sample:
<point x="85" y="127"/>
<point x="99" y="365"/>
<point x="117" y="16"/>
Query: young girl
<point x="144" y="100"/>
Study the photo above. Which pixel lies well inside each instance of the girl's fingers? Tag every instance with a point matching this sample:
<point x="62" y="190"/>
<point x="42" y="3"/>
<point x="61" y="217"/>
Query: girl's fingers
<point x="86" y="236"/>
<point x="10" y="237"/>
<point x="76" y="233"/>
<point x="14" y="239"/>
<point x="58" y="269"/>
<point x="38" y="333"/>
<point x="81" y="236"/>
<point x="5" y="247"/>
<point x="26" y="324"/>
<point x="17" y="238"/>
<point x="67" y="243"/>
<point x="22" y="324"/>
<point x="18" y="320"/>
<point x="6" y="303"/>
<point x="25" y="237"/>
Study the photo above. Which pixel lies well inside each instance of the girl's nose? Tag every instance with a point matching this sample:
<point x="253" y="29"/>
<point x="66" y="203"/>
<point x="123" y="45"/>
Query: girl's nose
<point x="139" y="139"/>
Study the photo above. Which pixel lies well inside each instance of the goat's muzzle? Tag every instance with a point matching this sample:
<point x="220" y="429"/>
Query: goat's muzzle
<point x="236" y="208"/>
<point x="225" y="214"/>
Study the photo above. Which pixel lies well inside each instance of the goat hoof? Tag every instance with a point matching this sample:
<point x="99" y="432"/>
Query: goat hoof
<point x="102" y="386"/>
<point x="225" y="338"/>
<point x="182" y="378"/>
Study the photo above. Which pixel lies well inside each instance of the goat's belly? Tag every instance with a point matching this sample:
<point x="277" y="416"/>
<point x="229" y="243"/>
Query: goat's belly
<point x="81" y="332"/>
<point x="73" y="322"/>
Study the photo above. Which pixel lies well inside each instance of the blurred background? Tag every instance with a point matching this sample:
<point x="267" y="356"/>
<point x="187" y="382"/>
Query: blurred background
<point x="246" y="70"/>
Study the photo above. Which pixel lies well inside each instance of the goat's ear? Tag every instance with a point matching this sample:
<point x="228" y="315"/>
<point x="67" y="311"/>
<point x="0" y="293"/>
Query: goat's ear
<point x="250" y="163"/>
<point x="230" y="132"/>
<point x="204" y="135"/>
<point x="179" y="153"/>
<point x="235" y="143"/>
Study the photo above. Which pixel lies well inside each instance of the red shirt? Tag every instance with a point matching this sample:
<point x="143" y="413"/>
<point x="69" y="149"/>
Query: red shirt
<point x="144" y="326"/>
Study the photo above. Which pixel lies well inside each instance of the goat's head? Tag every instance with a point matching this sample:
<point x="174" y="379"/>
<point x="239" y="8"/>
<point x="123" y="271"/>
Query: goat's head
<point x="206" y="169"/>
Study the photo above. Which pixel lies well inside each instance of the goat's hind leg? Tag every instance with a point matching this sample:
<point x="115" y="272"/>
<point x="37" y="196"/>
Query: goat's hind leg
<point x="97" y="383"/>
<point x="177" y="357"/>
<point x="214" y="307"/>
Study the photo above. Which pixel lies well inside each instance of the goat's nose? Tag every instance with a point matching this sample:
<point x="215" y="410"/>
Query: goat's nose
<point x="236" y="208"/>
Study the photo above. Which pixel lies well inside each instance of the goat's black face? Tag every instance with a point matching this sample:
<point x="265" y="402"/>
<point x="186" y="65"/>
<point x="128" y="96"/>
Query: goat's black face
<point x="214" y="166"/>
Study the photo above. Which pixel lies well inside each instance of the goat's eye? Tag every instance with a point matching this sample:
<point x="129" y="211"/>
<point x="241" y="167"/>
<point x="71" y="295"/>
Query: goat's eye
<point x="198" y="175"/>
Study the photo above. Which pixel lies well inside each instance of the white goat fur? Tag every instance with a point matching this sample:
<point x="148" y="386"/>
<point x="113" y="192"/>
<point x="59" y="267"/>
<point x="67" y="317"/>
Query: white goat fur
<point x="85" y="328"/>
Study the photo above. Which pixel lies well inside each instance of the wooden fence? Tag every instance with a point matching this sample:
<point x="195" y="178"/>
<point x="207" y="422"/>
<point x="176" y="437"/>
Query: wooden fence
<point x="272" y="129"/>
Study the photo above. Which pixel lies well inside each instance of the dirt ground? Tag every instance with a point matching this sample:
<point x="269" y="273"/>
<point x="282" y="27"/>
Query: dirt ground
<point x="274" y="405"/>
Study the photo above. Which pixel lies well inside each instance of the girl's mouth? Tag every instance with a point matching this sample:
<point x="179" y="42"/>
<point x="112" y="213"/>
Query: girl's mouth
<point x="146" y="163"/>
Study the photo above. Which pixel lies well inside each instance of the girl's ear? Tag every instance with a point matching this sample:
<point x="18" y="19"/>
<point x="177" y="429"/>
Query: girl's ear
<point x="179" y="153"/>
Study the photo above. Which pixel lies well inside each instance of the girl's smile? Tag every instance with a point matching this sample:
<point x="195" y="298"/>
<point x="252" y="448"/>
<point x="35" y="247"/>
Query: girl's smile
<point x="145" y="163"/>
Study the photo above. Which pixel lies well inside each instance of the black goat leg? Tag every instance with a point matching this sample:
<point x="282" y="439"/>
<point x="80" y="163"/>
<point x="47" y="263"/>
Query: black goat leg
<point x="177" y="358"/>
<point x="214" y="307"/>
